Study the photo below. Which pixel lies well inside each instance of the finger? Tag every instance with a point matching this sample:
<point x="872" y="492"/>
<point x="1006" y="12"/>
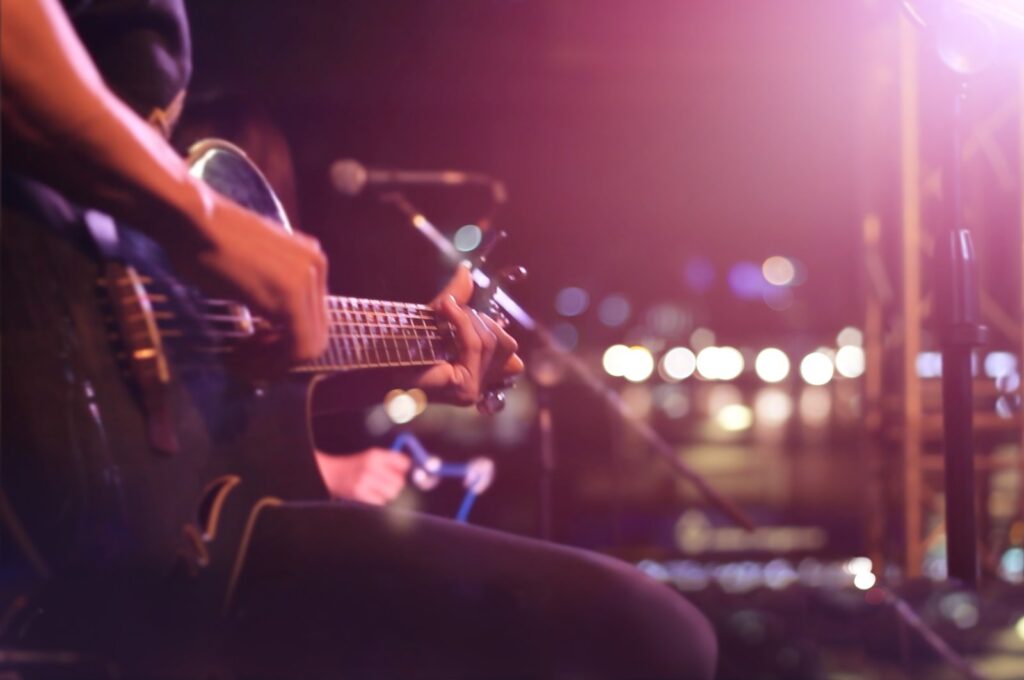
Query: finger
<point x="488" y="343"/>
<point x="319" y="292"/>
<point x="459" y="287"/>
<point x="504" y="351"/>
<point x="466" y="373"/>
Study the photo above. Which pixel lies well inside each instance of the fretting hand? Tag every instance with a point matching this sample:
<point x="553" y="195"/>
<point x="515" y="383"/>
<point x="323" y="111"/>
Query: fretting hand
<point x="486" y="354"/>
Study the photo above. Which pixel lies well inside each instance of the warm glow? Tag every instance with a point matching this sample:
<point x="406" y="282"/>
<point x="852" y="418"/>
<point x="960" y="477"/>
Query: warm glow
<point x="850" y="336"/>
<point x="772" y="365"/>
<point x="719" y="363"/>
<point x="778" y="271"/>
<point x="850" y="361"/>
<point x="735" y="418"/>
<point x="640" y="364"/>
<point x="400" y="406"/>
<point x="865" y="580"/>
<point x="616" y="360"/>
<point x="678" y="363"/>
<point x="816" y="368"/>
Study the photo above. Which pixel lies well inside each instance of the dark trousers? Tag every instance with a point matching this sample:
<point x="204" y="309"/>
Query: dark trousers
<point x="329" y="590"/>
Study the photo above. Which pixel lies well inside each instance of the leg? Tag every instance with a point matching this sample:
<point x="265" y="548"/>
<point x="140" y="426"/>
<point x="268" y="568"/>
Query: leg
<point x="355" y="590"/>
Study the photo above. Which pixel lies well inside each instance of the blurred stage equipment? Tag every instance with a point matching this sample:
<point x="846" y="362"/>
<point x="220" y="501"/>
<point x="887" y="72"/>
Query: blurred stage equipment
<point x="969" y="36"/>
<point x="504" y="305"/>
<point x="351" y="178"/>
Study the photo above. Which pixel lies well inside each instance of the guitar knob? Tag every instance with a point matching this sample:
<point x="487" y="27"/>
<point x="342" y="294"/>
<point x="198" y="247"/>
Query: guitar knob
<point x="491" y="403"/>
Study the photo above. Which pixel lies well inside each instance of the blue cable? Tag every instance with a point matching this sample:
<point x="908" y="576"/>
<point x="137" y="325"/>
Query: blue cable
<point x="406" y="442"/>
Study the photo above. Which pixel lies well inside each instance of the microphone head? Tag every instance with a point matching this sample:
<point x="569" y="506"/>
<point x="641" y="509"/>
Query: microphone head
<point x="349" y="176"/>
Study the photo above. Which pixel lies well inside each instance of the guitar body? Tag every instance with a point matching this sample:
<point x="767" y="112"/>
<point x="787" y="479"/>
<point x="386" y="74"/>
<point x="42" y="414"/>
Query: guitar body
<point x="111" y="464"/>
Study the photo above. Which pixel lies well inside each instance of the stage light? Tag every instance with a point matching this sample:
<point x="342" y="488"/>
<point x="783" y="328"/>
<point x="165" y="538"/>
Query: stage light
<point x="771" y="365"/>
<point x="468" y="238"/>
<point x="400" y="406"/>
<point x="572" y="301"/>
<point x="929" y="365"/>
<point x="971" y="34"/>
<point x="678" y="363"/>
<point x="850" y="336"/>
<point x="639" y="365"/>
<point x="858" y="565"/>
<point x="864" y="581"/>
<point x="816" y="368"/>
<point x="778" y="270"/>
<point x="1019" y="628"/>
<point x="734" y="418"/>
<point x="614" y="310"/>
<point x="850" y="361"/>
<point x="1005" y="407"/>
<point x="616" y="360"/>
<point x="719" y="363"/>
<point x="772" y="407"/>
<point x="999" y="364"/>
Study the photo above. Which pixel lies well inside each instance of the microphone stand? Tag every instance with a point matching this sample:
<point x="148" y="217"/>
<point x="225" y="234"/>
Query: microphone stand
<point x="574" y="364"/>
<point x="961" y="331"/>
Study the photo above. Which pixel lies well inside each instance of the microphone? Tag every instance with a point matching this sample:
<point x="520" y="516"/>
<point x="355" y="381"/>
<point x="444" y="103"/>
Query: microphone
<point x="351" y="178"/>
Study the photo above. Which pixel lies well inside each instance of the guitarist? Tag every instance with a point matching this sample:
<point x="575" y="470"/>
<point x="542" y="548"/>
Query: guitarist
<point x="90" y="91"/>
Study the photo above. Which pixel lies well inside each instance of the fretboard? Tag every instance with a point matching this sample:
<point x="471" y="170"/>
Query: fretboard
<point x="378" y="334"/>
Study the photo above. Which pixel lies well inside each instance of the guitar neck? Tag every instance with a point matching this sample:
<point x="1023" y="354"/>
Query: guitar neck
<point x="378" y="334"/>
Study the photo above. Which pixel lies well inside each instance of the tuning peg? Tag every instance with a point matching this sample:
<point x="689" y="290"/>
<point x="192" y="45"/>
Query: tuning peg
<point x="511" y="275"/>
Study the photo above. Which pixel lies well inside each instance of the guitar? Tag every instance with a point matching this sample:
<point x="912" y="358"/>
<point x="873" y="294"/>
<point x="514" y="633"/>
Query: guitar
<point x="163" y="432"/>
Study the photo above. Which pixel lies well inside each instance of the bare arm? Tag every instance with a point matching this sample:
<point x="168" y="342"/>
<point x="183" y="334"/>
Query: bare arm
<point x="63" y="125"/>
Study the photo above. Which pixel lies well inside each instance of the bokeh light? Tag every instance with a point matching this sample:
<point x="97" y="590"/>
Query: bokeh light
<point x="816" y="368"/>
<point x="572" y="301"/>
<point x="746" y="280"/>
<point x="850" y="361"/>
<point x="400" y="406"/>
<point x="468" y="238"/>
<point x="850" y="336"/>
<point x="566" y="334"/>
<point x="734" y="418"/>
<point x="616" y="360"/>
<point x="864" y="580"/>
<point x="678" y="363"/>
<point x="701" y="338"/>
<point x="929" y="365"/>
<point x="778" y="270"/>
<point x="614" y="310"/>
<point x="719" y="363"/>
<point x="772" y="407"/>
<point x="815" y="406"/>
<point x="771" y="365"/>
<point x="639" y="365"/>
<point x="999" y="364"/>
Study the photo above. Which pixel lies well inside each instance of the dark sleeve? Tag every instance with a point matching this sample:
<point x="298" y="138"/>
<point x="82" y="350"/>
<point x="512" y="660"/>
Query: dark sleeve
<point x="142" y="48"/>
